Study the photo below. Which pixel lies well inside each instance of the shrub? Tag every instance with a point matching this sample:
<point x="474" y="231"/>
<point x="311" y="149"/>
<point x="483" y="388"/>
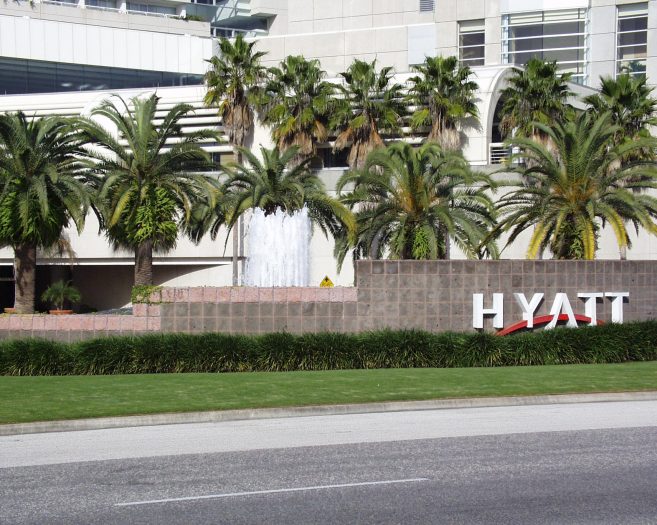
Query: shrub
<point x="216" y="352"/>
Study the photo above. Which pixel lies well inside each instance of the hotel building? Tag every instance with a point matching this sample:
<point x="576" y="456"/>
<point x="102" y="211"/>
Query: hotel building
<point x="64" y="56"/>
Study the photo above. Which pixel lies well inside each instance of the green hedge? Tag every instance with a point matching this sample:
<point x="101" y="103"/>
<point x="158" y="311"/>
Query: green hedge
<point x="327" y="351"/>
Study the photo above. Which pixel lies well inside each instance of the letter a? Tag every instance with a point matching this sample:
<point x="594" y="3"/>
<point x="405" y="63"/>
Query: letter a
<point x="561" y="304"/>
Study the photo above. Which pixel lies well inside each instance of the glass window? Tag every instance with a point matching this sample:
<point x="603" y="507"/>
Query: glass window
<point x="101" y="4"/>
<point x="632" y="39"/>
<point x="151" y="8"/>
<point x="36" y="76"/>
<point x="472" y="42"/>
<point x="559" y="35"/>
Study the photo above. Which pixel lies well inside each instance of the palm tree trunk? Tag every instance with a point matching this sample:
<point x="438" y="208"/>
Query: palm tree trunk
<point x="237" y="229"/>
<point x="25" y="275"/>
<point x="144" y="264"/>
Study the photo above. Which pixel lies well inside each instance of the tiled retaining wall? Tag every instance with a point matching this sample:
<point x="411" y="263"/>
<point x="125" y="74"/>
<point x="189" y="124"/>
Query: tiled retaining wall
<point x="430" y="295"/>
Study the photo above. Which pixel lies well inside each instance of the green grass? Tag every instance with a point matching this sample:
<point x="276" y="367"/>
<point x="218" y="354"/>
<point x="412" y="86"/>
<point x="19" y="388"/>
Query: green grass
<point x="40" y="398"/>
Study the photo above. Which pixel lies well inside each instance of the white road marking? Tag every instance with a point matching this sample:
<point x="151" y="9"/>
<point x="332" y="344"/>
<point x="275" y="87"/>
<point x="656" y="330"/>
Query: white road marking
<point x="273" y="491"/>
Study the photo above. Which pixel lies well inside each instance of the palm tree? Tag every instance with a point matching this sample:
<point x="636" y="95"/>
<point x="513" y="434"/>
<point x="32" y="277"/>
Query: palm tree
<point x="234" y="81"/>
<point x="299" y="102"/>
<point x="537" y="93"/>
<point x="372" y="104"/>
<point x="567" y="193"/>
<point x="41" y="192"/>
<point x="628" y="100"/>
<point x="146" y="188"/>
<point x="409" y="201"/>
<point x="274" y="183"/>
<point x="445" y="99"/>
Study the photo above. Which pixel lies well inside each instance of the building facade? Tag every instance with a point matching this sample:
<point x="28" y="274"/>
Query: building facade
<point x="63" y="57"/>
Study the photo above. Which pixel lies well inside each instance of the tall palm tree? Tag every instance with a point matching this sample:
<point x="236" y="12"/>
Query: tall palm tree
<point x="234" y="81"/>
<point x="628" y="100"/>
<point x="372" y="104"/>
<point x="42" y="191"/>
<point x="276" y="182"/>
<point x="410" y="200"/>
<point x="147" y="182"/>
<point x="537" y="93"/>
<point x="234" y="85"/>
<point x="445" y="96"/>
<point x="299" y="103"/>
<point x="567" y="193"/>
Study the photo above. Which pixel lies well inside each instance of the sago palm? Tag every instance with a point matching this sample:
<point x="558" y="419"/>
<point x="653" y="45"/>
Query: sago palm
<point x="568" y="192"/>
<point x="444" y="96"/>
<point x="372" y="103"/>
<point x="537" y="93"/>
<point x="148" y="185"/>
<point x="276" y="182"/>
<point x="409" y="201"/>
<point x="298" y="104"/>
<point x="42" y="191"/>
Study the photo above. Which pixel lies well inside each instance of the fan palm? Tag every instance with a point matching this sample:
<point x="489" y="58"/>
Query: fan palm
<point x="299" y="102"/>
<point x="445" y="99"/>
<point x="275" y="182"/>
<point x="372" y="103"/>
<point x="41" y="192"/>
<point x="146" y="188"/>
<point x="233" y="83"/>
<point x="409" y="201"/>
<point x="568" y="192"/>
<point x="537" y="93"/>
<point x="628" y="100"/>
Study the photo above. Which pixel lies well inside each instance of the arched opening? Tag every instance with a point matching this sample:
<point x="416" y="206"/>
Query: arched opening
<point x="498" y="152"/>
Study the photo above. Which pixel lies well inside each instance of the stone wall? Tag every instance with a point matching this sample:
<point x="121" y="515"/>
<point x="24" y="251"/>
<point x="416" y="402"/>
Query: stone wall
<point x="429" y="295"/>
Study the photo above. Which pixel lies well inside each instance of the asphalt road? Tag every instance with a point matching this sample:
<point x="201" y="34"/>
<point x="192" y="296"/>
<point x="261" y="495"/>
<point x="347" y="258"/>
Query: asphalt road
<point x="446" y="466"/>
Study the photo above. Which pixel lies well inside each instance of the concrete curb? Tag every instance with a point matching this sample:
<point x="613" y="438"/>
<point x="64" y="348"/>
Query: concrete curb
<point x="327" y="410"/>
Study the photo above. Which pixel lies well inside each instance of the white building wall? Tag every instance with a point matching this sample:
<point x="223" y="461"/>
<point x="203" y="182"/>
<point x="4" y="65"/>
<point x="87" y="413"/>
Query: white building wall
<point x="58" y="41"/>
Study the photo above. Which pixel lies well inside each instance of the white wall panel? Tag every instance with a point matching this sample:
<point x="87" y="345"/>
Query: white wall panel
<point x="132" y="40"/>
<point x="159" y="60"/>
<point x="51" y="42"/>
<point x="79" y="44"/>
<point x="37" y="43"/>
<point x="59" y="41"/>
<point x="171" y="52"/>
<point x="7" y="36"/>
<point x="94" y="45"/>
<point x="145" y="50"/>
<point x="65" y="43"/>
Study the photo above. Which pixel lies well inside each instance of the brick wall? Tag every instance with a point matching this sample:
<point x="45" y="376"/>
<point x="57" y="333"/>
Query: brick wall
<point x="429" y="295"/>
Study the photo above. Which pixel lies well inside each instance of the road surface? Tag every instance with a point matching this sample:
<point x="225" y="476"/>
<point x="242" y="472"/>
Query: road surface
<point x="581" y="463"/>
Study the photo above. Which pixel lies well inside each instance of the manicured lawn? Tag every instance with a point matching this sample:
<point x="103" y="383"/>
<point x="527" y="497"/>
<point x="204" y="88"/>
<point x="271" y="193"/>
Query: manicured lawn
<point x="41" y="398"/>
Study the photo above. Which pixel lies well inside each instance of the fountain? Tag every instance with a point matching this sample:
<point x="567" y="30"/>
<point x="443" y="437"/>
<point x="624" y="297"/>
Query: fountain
<point x="278" y="249"/>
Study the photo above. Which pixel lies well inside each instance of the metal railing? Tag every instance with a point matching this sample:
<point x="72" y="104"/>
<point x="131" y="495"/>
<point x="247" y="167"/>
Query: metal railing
<point x="498" y="153"/>
<point x="113" y="9"/>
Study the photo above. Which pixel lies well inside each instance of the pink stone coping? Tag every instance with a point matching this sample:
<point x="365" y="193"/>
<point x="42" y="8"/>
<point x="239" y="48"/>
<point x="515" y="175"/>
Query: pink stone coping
<point x="80" y="322"/>
<point x="252" y="294"/>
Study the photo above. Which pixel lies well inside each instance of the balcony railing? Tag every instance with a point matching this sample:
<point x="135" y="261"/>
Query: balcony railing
<point x="112" y="9"/>
<point x="498" y="153"/>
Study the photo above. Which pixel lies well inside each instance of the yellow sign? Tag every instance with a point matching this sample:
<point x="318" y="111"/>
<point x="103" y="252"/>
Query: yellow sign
<point x="326" y="283"/>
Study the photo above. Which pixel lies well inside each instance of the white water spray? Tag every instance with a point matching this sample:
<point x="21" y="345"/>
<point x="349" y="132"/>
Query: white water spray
<point x="279" y="249"/>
